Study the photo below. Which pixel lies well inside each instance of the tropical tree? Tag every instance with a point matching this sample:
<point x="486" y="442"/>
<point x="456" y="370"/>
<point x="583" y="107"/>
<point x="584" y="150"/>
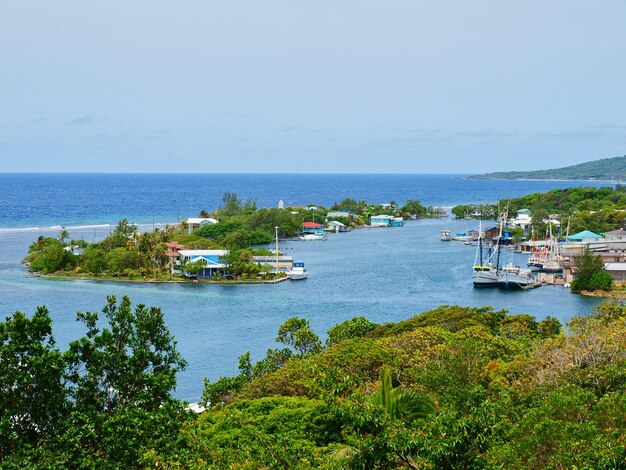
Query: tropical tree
<point x="297" y="333"/>
<point x="63" y="234"/>
<point x="33" y="396"/>
<point x="133" y="360"/>
<point x="590" y="272"/>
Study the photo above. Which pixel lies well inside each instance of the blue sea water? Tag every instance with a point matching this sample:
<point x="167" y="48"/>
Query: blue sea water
<point x="382" y="274"/>
<point x="44" y="200"/>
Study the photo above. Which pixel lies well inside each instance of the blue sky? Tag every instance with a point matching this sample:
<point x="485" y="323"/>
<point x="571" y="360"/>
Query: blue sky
<point x="325" y="86"/>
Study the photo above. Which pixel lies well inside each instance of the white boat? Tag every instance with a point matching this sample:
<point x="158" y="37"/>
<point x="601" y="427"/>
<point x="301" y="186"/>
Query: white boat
<point x="446" y="235"/>
<point x="484" y="274"/>
<point x="513" y="277"/>
<point x="307" y="237"/>
<point x="298" y="272"/>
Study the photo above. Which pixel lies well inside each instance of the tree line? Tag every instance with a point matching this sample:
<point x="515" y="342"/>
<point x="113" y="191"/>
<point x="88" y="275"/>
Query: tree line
<point x="454" y="387"/>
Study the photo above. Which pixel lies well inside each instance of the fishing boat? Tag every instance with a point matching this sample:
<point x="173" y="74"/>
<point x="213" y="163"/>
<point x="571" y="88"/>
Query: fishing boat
<point x="484" y="274"/>
<point x="446" y="235"/>
<point x="298" y="272"/>
<point x="512" y="277"/>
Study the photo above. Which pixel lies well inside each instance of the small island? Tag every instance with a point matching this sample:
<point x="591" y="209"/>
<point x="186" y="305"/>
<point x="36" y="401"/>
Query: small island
<point x="606" y="169"/>
<point x="225" y="246"/>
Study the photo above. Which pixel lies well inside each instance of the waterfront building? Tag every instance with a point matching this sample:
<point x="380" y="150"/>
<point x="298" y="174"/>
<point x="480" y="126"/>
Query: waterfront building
<point x="212" y="261"/>
<point x="344" y="214"/>
<point x="586" y="236"/>
<point x="312" y="228"/>
<point x="615" y="236"/>
<point x="285" y="263"/>
<point x="383" y="220"/>
<point x="336" y="226"/>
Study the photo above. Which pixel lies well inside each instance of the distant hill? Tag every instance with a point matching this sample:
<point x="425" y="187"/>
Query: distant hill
<point x="612" y="169"/>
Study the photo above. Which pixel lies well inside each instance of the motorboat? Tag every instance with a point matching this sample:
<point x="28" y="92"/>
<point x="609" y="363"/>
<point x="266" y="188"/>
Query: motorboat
<point x="298" y="272"/>
<point x="446" y="235"/>
<point x="307" y="237"/>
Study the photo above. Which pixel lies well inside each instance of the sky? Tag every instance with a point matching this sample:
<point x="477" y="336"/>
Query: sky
<point x="348" y="86"/>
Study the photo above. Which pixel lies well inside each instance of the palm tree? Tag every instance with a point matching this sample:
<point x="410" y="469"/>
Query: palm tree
<point x="401" y="406"/>
<point x="63" y="234"/>
<point x="400" y="403"/>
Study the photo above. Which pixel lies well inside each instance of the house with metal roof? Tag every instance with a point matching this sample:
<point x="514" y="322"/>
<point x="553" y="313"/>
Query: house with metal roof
<point x="383" y="220"/>
<point x="615" y="235"/>
<point x="586" y="236"/>
<point x="312" y="228"/>
<point x="211" y="260"/>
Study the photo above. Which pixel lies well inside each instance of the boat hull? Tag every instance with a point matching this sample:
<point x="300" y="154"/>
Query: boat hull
<point x="483" y="279"/>
<point x="514" y="281"/>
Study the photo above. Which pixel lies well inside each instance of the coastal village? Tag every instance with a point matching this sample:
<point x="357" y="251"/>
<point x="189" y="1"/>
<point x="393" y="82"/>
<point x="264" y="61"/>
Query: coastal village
<point x="553" y="258"/>
<point x="237" y="243"/>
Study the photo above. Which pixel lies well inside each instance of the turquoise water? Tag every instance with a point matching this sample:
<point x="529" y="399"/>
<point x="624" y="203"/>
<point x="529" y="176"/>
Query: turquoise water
<point x="385" y="274"/>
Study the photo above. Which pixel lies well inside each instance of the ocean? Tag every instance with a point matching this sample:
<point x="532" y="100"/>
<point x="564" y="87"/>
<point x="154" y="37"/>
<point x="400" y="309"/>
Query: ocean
<point x="383" y="274"/>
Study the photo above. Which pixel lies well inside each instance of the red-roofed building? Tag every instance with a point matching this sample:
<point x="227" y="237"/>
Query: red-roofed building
<point x="313" y="227"/>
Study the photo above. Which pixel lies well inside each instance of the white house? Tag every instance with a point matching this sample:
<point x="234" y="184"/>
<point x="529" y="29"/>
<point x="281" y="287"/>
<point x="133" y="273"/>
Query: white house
<point x="522" y="220"/>
<point x="196" y="222"/>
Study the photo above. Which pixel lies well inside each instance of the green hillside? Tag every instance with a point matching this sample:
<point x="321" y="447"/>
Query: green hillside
<point x="612" y="169"/>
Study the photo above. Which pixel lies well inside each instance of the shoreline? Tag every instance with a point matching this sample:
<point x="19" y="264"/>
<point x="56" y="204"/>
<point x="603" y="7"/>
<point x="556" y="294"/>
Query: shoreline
<point x="158" y="281"/>
<point x="605" y="294"/>
<point x="547" y="180"/>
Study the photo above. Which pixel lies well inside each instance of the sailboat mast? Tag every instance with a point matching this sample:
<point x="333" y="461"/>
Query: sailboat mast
<point x="276" y="235"/>
<point x="480" y="240"/>
<point x="500" y="235"/>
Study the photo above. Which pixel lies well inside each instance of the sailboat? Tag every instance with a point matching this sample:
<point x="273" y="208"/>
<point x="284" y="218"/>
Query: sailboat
<point x="484" y="274"/>
<point x="539" y="257"/>
<point x="553" y="261"/>
<point x="297" y="271"/>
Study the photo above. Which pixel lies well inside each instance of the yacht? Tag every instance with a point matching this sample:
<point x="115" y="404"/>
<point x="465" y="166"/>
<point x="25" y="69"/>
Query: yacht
<point x="298" y="272"/>
<point x="312" y="236"/>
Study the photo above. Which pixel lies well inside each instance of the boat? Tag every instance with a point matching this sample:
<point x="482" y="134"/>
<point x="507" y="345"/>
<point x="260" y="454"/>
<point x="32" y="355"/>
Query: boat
<point x="446" y="235"/>
<point x="512" y="277"/>
<point x="484" y="274"/>
<point x="307" y="237"/>
<point x="462" y="237"/>
<point x="298" y="272"/>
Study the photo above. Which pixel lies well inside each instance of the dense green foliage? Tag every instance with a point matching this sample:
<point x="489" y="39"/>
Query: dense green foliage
<point x="610" y="169"/>
<point x="590" y="273"/>
<point x="100" y="404"/>
<point x="509" y="392"/>
<point x="241" y="227"/>
<point x="452" y="388"/>
<point x="597" y="209"/>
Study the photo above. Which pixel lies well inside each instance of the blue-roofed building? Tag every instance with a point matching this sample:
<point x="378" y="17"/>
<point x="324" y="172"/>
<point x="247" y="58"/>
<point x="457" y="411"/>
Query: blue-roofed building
<point x="212" y="261"/>
<point x="386" y="221"/>
<point x="586" y="236"/>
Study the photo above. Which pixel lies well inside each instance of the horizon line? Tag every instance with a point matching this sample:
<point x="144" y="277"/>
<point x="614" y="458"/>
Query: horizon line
<point x="214" y="173"/>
